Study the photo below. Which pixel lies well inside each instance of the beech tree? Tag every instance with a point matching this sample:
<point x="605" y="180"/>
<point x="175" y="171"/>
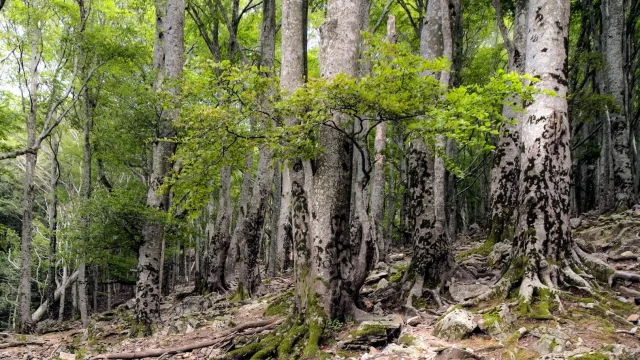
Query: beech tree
<point x="167" y="62"/>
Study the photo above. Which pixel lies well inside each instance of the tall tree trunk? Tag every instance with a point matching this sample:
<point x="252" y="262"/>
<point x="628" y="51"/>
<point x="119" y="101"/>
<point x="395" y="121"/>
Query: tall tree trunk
<point x="245" y="196"/>
<point x="168" y="51"/>
<point x="331" y="252"/>
<point x="543" y="242"/>
<point x="432" y="254"/>
<point x="53" y="226"/>
<point x="277" y="249"/>
<point x="614" y="85"/>
<point x="505" y="172"/>
<point x="24" y="324"/>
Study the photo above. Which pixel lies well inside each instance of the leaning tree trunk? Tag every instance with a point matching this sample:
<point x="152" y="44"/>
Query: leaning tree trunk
<point x="24" y="324"/>
<point x="253" y="221"/>
<point x="614" y="85"/>
<point x="168" y="60"/>
<point x="432" y="254"/>
<point x="505" y="172"/>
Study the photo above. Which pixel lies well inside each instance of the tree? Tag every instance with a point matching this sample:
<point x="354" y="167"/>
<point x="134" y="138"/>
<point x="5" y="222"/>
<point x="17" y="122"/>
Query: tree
<point x="612" y="39"/>
<point x="505" y="171"/>
<point x="167" y="61"/>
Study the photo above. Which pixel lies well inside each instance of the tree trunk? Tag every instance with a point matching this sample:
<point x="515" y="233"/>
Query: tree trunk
<point x="543" y="235"/>
<point x="245" y="196"/>
<point x="219" y="241"/>
<point x="169" y="46"/>
<point x="24" y="324"/>
<point x="62" y="294"/>
<point x="88" y="107"/>
<point x="53" y="226"/>
<point x="432" y="255"/>
<point x="276" y="249"/>
<point x="505" y="172"/>
<point x="331" y="252"/>
<point x="614" y="85"/>
<point x="253" y="222"/>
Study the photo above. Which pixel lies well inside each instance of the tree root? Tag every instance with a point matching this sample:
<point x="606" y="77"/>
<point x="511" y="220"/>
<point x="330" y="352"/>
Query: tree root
<point x="257" y="327"/>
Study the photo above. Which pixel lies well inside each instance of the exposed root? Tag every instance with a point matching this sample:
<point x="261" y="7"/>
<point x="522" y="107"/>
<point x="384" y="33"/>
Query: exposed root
<point x="257" y="327"/>
<point x="577" y="280"/>
<point x="625" y="275"/>
<point x="500" y="289"/>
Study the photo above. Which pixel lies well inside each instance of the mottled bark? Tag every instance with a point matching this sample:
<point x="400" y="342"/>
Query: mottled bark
<point x="543" y="241"/>
<point x="612" y="35"/>
<point x="245" y="195"/>
<point x="220" y="237"/>
<point x="24" y="324"/>
<point x="294" y="181"/>
<point x="281" y="204"/>
<point x="505" y="171"/>
<point x="252" y="225"/>
<point x="427" y="175"/>
<point x="169" y="47"/>
<point x="339" y="41"/>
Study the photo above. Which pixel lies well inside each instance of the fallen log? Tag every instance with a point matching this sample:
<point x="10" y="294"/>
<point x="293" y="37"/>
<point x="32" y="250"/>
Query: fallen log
<point x="21" y="343"/>
<point x="261" y="325"/>
<point x="42" y="309"/>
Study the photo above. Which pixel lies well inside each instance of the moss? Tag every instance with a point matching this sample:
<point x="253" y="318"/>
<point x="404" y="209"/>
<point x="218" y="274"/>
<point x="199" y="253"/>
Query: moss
<point x="369" y="329"/>
<point x="400" y="270"/>
<point x="484" y="250"/>
<point x="586" y="300"/>
<point x="239" y="295"/>
<point x="591" y="356"/>
<point x="407" y="340"/>
<point x="419" y="303"/>
<point x="492" y="319"/>
<point x="540" y="309"/>
<point x="608" y="347"/>
<point x="280" y="306"/>
<point x="348" y="354"/>
<point x="243" y="352"/>
<point x="269" y="346"/>
<point x="513" y="339"/>
<point x="553" y="344"/>
<point x="317" y="319"/>
<point x="289" y="341"/>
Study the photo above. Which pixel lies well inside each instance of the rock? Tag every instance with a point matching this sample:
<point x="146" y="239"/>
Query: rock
<point x="382" y="266"/>
<point x="575" y="222"/>
<point x="461" y="291"/>
<point x="66" y="356"/>
<point x="588" y="305"/>
<point x="498" y="322"/>
<point x="375" y="332"/>
<point x="456" y="325"/>
<point x="396" y="257"/>
<point x="383" y="283"/>
<point x="375" y="277"/>
<point x="414" y="321"/>
<point x="633" y="318"/>
<point x="622" y="299"/>
<point x="377" y="309"/>
<point x="550" y="340"/>
<point x="453" y="353"/>
<point x="500" y="253"/>
<point x="474" y="229"/>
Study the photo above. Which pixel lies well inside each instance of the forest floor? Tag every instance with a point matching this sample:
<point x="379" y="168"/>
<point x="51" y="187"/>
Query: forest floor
<point x="581" y="325"/>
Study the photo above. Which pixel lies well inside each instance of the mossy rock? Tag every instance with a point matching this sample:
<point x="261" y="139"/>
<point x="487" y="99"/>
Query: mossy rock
<point x="456" y="325"/>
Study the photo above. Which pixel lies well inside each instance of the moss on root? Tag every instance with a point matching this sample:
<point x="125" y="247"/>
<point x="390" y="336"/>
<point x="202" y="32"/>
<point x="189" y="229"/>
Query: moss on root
<point x="539" y="309"/>
<point x="281" y="305"/>
<point x="590" y="356"/>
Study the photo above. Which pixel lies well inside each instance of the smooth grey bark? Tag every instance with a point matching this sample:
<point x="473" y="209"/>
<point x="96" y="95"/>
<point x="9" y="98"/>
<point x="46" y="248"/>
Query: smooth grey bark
<point x="63" y="293"/>
<point x="24" y="324"/>
<point x="276" y="250"/>
<point x="245" y="195"/>
<point x="220" y="237"/>
<point x="168" y="61"/>
<point x="331" y="255"/>
<point x="52" y="213"/>
<point x="295" y="183"/>
<point x="614" y="84"/>
<point x="57" y="295"/>
<point x="505" y="171"/>
<point x="543" y="240"/>
<point x="377" y="181"/>
<point x="252" y="225"/>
